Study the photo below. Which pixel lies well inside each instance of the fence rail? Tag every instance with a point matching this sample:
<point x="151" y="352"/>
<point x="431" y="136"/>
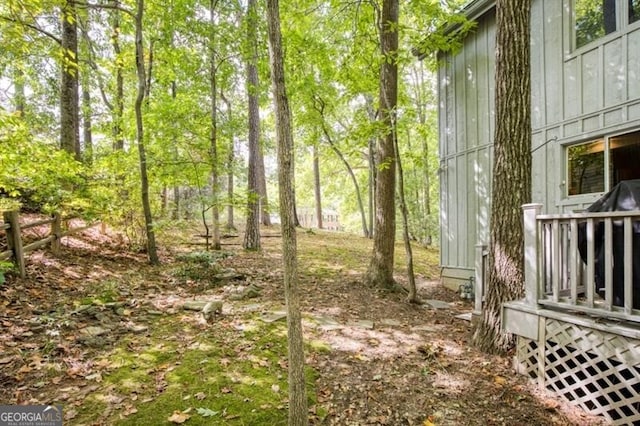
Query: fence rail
<point x="13" y="232"/>
<point x="584" y="262"/>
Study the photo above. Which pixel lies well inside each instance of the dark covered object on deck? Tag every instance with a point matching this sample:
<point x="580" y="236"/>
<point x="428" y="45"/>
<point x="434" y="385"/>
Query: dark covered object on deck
<point x="625" y="196"/>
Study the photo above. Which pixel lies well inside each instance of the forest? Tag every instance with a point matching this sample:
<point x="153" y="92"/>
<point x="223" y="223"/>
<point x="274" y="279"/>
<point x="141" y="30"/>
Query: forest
<point x="71" y="74"/>
<point x="256" y="188"/>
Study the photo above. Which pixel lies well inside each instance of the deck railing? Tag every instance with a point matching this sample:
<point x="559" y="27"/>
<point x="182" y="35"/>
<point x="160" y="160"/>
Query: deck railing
<point x="583" y="262"/>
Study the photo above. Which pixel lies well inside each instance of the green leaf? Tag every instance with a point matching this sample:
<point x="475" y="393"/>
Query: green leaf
<point x="206" y="412"/>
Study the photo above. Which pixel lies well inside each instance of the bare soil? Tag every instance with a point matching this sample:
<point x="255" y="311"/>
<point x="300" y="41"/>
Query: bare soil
<point x="386" y="362"/>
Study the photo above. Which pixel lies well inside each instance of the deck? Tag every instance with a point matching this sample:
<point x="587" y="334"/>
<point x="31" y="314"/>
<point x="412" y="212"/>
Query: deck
<point x="578" y="326"/>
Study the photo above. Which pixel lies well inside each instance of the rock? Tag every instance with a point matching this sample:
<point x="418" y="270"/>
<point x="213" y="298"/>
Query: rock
<point x="390" y="322"/>
<point x="437" y="304"/>
<point x="194" y="305"/>
<point x="465" y="316"/>
<point x="366" y="324"/>
<point x="94" y="331"/>
<point x="137" y="328"/>
<point x="274" y="316"/>
<point x="327" y="323"/>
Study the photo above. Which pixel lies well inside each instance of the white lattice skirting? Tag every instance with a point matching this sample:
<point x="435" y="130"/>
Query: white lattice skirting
<point x="594" y="369"/>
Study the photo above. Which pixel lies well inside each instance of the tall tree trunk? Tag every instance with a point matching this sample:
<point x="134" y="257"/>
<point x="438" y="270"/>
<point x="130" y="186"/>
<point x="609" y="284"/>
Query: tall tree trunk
<point x="252" y="230"/>
<point x="69" y="100"/>
<point x="412" y="297"/>
<point x="316" y="186"/>
<point x="320" y="105"/>
<point x="511" y="171"/>
<point x="215" y="214"/>
<point x="87" y="136"/>
<point x="262" y="188"/>
<point x="230" y="167"/>
<point x="380" y="272"/>
<point x="298" y="414"/>
<point x="144" y="180"/>
<point x="118" y="135"/>
<point x="372" y="167"/>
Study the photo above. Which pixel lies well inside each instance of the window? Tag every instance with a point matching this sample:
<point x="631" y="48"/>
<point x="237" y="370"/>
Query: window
<point x="593" y="19"/>
<point x="599" y="165"/>
<point x="634" y="11"/>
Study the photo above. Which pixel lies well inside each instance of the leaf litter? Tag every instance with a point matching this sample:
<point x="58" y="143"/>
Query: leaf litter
<point x="388" y="362"/>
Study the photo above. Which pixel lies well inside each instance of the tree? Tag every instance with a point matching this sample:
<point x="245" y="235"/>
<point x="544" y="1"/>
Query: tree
<point x="252" y="230"/>
<point x="213" y="71"/>
<point x="69" y="98"/>
<point x="144" y="180"/>
<point x="297" y="387"/>
<point x="511" y="171"/>
<point x="380" y="272"/>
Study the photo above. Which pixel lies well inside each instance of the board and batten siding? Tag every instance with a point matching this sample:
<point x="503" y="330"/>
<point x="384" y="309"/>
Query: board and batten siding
<point x="466" y="102"/>
<point x="576" y="96"/>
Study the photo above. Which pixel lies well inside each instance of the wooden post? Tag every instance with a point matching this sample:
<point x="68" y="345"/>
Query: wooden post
<point x="14" y="240"/>
<point x="56" y="231"/>
<point x="531" y="253"/>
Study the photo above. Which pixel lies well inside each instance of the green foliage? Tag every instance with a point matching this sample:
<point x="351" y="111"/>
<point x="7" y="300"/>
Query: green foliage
<point x="35" y="172"/>
<point x="199" y="266"/>
<point x="4" y="268"/>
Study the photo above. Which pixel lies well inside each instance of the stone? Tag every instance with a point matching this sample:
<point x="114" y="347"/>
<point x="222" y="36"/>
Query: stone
<point x="465" y="316"/>
<point x="194" y="305"/>
<point x="366" y="324"/>
<point x="327" y="323"/>
<point x="390" y="322"/>
<point x="273" y="316"/>
<point x="437" y="304"/>
<point x="94" y="331"/>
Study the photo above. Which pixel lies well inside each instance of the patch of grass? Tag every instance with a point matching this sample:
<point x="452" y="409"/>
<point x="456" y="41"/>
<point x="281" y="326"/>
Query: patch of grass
<point x="337" y="251"/>
<point x="222" y="377"/>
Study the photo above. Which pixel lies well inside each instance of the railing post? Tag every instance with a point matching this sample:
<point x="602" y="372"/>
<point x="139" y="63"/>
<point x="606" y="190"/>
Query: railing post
<point x="14" y="240"/>
<point x="531" y="253"/>
<point x="479" y="279"/>
<point x="56" y="231"/>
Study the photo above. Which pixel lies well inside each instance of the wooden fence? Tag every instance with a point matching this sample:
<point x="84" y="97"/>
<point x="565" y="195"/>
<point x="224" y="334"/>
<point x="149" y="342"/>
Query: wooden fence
<point x="16" y="250"/>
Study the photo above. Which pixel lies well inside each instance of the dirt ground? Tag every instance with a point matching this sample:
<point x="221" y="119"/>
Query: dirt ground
<point x="389" y="363"/>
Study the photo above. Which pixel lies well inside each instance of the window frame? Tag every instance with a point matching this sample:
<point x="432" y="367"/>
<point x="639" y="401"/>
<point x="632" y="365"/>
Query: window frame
<point x="623" y="24"/>
<point x="606" y="139"/>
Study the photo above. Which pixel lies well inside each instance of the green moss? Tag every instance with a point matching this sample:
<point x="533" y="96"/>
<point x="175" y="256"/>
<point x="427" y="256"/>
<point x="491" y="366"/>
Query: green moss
<point x="222" y="378"/>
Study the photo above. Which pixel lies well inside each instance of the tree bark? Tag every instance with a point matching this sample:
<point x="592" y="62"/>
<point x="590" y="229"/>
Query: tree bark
<point x="511" y="171"/>
<point x="262" y="189"/>
<point x="215" y="213"/>
<point x="87" y="134"/>
<point x="380" y="272"/>
<point x="118" y="136"/>
<point x="69" y="97"/>
<point x="412" y="297"/>
<point x="230" y="167"/>
<point x="316" y="186"/>
<point x="298" y="414"/>
<point x="252" y="229"/>
<point x="144" y="180"/>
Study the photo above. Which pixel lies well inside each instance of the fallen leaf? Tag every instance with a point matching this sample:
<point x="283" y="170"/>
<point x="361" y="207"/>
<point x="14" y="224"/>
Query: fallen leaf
<point x="200" y="396"/>
<point x="178" y="417"/>
<point x="275" y="388"/>
<point x="6" y="360"/>
<point x="500" y="381"/>
<point x="206" y="412"/>
<point x="225" y="390"/>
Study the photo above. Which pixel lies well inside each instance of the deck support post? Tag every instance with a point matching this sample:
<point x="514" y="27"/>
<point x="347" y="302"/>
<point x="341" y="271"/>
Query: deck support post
<point x="531" y="253"/>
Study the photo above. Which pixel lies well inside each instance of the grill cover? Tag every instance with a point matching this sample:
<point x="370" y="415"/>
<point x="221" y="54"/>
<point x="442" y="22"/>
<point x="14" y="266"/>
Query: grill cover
<point x="625" y="196"/>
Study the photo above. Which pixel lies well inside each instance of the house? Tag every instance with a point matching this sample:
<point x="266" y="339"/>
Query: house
<point x="585" y="99"/>
<point x="307" y="219"/>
